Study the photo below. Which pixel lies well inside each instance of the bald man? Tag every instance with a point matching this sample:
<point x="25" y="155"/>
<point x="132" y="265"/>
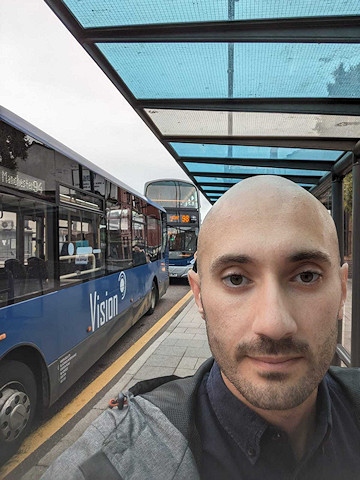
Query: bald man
<point x="270" y="287"/>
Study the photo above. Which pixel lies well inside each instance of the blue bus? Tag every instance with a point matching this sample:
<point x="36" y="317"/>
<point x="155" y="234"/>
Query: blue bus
<point x="182" y="204"/>
<point x="82" y="258"/>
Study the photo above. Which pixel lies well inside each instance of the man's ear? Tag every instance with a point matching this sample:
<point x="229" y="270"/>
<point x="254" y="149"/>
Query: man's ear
<point x="344" y="276"/>
<point x="194" y="281"/>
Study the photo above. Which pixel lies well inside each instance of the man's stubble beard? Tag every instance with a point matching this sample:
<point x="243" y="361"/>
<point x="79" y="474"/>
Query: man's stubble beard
<point x="274" y="390"/>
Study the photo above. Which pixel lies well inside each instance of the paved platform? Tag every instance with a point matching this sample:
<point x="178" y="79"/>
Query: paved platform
<point x="180" y="350"/>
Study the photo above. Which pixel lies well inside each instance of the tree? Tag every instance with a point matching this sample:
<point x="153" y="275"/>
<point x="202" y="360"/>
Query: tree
<point x="347" y="183"/>
<point x="13" y="145"/>
<point x="346" y="82"/>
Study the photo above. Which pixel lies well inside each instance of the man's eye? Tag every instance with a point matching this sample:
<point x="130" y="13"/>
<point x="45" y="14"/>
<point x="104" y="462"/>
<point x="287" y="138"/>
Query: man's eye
<point x="236" y="281"/>
<point x="308" y="277"/>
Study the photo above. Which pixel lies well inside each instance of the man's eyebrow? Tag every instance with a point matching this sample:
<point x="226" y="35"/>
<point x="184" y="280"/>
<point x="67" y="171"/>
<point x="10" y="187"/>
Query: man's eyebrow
<point x="225" y="260"/>
<point x="315" y="255"/>
<point x="310" y="255"/>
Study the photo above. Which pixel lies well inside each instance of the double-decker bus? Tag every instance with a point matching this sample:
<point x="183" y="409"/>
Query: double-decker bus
<point x="181" y="202"/>
<point x="82" y="258"/>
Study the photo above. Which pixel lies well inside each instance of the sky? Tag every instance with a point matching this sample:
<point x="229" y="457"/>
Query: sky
<point x="49" y="80"/>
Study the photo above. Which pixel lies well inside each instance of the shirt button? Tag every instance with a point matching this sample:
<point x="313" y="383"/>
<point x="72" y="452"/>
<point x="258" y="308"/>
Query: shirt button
<point x="251" y="452"/>
<point x="276" y="436"/>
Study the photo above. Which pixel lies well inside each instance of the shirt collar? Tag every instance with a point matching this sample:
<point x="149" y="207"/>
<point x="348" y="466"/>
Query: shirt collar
<point x="246" y="427"/>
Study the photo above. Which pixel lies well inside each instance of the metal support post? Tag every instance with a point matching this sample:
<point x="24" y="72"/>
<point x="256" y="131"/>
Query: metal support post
<point x="338" y="216"/>
<point x="355" y="325"/>
<point x="338" y="211"/>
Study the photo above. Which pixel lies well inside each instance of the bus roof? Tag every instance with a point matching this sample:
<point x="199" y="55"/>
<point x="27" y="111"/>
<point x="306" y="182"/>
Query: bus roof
<point x="180" y="180"/>
<point x="42" y="137"/>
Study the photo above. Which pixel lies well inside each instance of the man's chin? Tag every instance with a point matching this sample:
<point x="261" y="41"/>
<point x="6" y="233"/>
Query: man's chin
<point x="279" y="377"/>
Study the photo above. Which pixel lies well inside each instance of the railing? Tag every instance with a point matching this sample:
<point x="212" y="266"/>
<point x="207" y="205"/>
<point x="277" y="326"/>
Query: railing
<point x="343" y="355"/>
<point x="90" y="257"/>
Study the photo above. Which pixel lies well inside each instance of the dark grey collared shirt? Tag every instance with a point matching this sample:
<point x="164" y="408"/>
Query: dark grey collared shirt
<point x="239" y="444"/>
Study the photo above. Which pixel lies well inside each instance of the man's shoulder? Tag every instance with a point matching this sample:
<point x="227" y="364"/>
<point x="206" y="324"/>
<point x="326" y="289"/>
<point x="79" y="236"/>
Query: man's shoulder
<point x="349" y="380"/>
<point x="174" y="396"/>
<point x="348" y="377"/>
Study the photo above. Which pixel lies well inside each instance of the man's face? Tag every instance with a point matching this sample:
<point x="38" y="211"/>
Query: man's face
<point x="271" y="290"/>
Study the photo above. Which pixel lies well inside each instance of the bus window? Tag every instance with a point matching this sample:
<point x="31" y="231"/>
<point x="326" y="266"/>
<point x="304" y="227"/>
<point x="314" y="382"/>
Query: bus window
<point x="182" y="242"/>
<point x="119" y="238"/>
<point x="154" y="233"/>
<point x="25" y="257"/>
<point x="81" y="254"/>
<point x="154" y="238"/>
<point x="138" y="238"/>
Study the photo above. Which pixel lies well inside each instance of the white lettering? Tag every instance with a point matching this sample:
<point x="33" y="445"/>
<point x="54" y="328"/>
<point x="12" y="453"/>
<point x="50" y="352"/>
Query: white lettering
<point x="21" y="181"/>
<point x="93" y="310"/>
<point x="102" y="310"/>
<point x="64" y="365"/>
<point x="103" y="313"/>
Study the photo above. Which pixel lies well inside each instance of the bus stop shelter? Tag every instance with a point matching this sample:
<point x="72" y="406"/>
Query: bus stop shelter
<point x="239" y="88"/>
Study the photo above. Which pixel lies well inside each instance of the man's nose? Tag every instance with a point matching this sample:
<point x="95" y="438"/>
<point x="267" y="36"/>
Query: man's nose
<point x="273" y="314"/>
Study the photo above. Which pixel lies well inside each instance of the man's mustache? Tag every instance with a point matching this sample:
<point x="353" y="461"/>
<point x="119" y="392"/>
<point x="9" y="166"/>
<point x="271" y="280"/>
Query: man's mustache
<point x="267" y="346"/>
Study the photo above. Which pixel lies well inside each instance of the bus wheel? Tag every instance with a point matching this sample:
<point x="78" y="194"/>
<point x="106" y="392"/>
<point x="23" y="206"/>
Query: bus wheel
<point x="18" y="395"/>
<point x="154" y="299"/>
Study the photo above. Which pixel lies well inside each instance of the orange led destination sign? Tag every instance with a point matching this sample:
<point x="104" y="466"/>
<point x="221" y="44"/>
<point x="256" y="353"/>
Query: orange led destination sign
<point x="185" y="218"/>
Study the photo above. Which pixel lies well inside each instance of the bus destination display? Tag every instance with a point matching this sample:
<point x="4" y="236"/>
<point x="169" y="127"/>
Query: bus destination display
<point x="181" y="218"/>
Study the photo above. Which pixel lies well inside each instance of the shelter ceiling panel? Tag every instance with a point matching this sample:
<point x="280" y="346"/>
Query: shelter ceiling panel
<point x="253" y="152"/>
<point x="214" y="123"/>
<point x="239" y="70"/>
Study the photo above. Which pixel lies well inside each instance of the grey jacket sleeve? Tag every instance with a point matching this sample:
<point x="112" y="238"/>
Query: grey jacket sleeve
<point x="68" y="465"/>
<point x="138" y="442"/>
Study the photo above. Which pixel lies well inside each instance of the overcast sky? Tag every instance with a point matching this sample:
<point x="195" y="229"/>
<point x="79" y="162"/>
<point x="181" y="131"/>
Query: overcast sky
<point x="49" y="80"/>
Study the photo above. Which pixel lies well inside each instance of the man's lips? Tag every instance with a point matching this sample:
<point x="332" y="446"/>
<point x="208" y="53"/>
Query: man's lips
<point x="275" y="363"/>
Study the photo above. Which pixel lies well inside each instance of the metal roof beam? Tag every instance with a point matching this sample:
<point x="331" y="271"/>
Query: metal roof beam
<point x="343" y="165"/>
<point x="311" y="179"/>
<point x="323" y="106"/>
<point x="319" y="143"/>
<point x="211" y="184"/>
<point x="208" y="193"/>
<point x="260" y="162"/>
<point x="332" y="29"/>
<point x="214" y="192"/>
<point x="66" y="17"/>
<point x="323" y="184"/>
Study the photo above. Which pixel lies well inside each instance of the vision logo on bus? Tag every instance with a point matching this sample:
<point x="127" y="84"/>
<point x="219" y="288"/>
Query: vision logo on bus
<point x="104" y="308"/>
<point x="122" y="285"/>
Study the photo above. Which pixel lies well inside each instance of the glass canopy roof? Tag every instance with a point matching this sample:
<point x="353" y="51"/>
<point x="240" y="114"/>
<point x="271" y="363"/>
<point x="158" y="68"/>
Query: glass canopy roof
<point x="102" y="13"/>
<point x="233" y="89"/>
